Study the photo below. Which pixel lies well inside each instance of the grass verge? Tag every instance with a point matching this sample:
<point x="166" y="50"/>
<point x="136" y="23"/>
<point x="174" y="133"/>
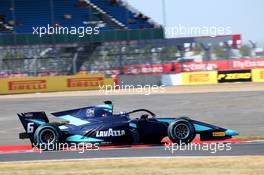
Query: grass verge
<point x="250" y="137"/>
<point x="240" y="165"/>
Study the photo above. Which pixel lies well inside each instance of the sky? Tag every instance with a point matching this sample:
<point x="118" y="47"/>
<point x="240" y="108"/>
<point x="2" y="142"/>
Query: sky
<point x="244" y="17"/>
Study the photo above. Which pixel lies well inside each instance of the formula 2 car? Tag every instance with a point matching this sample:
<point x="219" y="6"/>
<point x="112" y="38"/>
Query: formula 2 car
<point x="98" y="124"/>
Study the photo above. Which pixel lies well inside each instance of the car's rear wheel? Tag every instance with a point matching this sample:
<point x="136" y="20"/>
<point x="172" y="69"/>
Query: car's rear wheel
<point x="47" y="136"/>
<point x="181" y="131"/>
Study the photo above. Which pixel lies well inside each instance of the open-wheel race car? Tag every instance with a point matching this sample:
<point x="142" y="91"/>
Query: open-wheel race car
<point x="98" y="124"/>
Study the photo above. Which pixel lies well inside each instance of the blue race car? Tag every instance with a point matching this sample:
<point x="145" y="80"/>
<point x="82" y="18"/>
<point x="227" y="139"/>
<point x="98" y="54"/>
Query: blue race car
<point x="98" y="124"/>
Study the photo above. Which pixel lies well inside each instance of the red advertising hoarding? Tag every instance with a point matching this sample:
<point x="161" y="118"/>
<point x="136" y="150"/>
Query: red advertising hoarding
<point x="241" y="64"/>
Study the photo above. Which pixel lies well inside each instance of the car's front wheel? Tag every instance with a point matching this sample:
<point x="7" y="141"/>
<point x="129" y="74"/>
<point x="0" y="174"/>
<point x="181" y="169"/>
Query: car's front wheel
<point x="181" y="131"/>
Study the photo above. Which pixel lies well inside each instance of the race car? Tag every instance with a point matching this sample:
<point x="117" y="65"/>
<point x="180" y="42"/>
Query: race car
<point x="98" y="124"/>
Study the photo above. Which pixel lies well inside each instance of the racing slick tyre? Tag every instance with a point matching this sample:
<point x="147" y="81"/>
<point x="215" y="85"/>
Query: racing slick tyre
<point x="181" y="131"/>
<point x="47" y="136"/>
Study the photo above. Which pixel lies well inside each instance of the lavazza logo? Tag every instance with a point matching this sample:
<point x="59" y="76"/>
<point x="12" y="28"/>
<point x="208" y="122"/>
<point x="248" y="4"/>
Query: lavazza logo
<point x="110" y="133"/>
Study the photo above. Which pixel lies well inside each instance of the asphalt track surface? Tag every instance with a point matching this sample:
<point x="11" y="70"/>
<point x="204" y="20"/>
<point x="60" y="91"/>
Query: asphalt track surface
<point x="241" y="111"/>
<point x="156" y="151"/>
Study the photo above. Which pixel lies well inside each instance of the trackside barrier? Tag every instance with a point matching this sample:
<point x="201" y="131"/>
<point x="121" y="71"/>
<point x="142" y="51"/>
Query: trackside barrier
<point x="171" y="79"/>
<point x="53" y="84"/>
<point x="257" y="75"/>
<point x="232" y="76"/>
<point x="141" y="79"/>
<point x="190" y="78"/>
<point x="196" y="78"/>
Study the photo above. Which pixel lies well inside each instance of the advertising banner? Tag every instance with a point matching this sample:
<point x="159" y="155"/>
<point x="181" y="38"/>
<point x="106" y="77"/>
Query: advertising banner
<point x="242" y="64"/>
<point x="195" y="78"/>
<point x="234" y="76"/>
<point x="52" y="84"/>
<point x="258" y="75"/>
<point x="170" y="68"/>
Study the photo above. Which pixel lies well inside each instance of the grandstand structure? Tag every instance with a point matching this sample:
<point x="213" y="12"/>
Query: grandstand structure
<point x="21" y="50"/>
<point x="19" y="16"/>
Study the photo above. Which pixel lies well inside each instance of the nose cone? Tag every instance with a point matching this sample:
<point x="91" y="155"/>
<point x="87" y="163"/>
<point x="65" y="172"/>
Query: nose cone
<point x="231" y="132"/>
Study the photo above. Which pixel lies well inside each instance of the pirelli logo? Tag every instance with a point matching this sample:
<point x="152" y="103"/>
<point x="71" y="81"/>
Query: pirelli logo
<point x="85" y="82"/>
<point x="27" y="85"/>
<point x="199" y="78"/>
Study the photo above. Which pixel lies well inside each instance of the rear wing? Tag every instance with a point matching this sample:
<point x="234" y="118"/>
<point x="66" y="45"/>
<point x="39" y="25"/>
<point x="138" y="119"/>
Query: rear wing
<point x="31" y="121"/>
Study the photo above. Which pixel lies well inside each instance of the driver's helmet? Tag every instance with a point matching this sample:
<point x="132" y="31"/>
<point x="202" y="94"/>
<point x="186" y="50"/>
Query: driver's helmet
<point x="102" y="112"/>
